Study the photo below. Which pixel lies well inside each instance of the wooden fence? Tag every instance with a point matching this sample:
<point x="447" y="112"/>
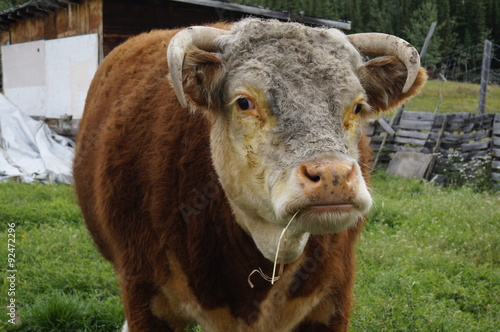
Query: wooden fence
<point x="471" y="141"/>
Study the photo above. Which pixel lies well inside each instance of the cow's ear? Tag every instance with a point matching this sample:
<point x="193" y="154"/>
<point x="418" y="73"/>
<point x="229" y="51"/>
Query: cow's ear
<point x="202" y="75"/>
<point x="383" y="79"/>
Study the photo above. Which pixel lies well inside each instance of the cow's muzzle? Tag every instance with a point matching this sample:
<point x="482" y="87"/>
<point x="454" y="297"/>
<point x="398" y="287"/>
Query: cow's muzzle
<point x="328" y="185"/>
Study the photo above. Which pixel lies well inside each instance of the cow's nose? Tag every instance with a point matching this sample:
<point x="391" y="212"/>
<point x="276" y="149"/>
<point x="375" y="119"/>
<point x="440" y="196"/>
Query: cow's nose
<point x="328" y="181"/>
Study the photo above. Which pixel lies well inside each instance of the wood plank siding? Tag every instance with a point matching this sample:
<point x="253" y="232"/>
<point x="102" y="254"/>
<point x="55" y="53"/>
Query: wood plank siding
<point x="75" y="19"/>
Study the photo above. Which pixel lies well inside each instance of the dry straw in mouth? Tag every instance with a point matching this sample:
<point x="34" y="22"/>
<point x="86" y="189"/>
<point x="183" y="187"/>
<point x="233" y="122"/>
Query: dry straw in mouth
<point x="282" y="263"/>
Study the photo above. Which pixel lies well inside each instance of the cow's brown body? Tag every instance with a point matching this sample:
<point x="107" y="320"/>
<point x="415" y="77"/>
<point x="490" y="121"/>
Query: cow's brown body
<point x="154" y="206"/>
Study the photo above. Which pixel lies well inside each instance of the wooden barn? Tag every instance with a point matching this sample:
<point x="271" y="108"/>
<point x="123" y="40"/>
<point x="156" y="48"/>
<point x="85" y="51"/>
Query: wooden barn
<point x="51" y="48"/>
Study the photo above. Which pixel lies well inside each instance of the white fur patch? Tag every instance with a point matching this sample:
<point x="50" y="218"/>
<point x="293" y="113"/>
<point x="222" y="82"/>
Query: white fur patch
<point x="301" y="80"/>
<point x="288" y="197"/>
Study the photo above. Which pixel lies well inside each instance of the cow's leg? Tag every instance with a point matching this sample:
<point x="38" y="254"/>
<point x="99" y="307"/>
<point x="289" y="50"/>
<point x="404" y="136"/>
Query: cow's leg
<point x="334" y="326"/>
<point x="313" y="327"/>
<point x="331" y="314"/>
<point x="137" y="298"/>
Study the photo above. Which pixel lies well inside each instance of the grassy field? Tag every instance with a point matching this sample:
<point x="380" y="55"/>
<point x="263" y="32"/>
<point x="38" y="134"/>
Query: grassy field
<point x="451" y="97"/>
<point x="428" y="260"/>
<point x="62" y="282"/>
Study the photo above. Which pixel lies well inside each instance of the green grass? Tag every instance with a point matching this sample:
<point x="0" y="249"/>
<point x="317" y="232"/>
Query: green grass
<point x="33" y="205"/>
<point x="453" y="97"/>
<point x="63" y="283"/>
<point x="428" y="260"/>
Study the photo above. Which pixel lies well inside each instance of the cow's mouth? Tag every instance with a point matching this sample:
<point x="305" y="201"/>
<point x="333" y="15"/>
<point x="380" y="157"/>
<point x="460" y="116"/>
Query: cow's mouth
<point x="326" y="217"/>
<point x="329" y="208"/>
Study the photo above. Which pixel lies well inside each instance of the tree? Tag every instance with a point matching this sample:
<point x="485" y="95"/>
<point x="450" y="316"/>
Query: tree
<point x="477" y="14"/>
<point x="417" y="28"/>
<point x="447" y="25"/>
<point x="6" y="4"/>
<point x="493" y="19"/>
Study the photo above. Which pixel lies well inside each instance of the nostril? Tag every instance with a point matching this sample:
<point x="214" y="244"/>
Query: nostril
<point x="311" y="173"/>
<point x="314" y="178"/>
<point x="328" y="181"/>
<point x="351" y="175"/>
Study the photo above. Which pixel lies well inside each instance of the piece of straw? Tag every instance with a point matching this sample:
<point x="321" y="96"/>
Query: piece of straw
<point x="282" y="264"/>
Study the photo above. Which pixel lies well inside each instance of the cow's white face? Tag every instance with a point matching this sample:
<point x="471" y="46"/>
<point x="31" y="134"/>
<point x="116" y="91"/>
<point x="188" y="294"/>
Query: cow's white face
<point x="286" y="139"/>
<point x="267" y="184"/>
<point x="287" y="104"/>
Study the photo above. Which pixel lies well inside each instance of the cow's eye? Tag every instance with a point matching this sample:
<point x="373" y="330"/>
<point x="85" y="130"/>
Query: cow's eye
<point x="245" y="104"/>
<point x="357" y="108"/>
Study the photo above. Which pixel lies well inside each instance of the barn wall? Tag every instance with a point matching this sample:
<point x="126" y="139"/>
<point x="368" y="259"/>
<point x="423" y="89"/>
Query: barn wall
<point x="71" y="64"/>
<point x="76" y="19"/>
<point x="24" y="76"/>
<point x="50" y="78"/>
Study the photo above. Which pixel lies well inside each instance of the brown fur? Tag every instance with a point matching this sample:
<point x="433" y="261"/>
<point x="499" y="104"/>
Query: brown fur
<point x="383" y="79"/>
<point x="153" y="204"/>
<point x="202" y="72"/>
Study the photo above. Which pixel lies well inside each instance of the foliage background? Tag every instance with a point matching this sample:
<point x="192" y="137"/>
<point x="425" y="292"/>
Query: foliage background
<point x="461" y="24"/>
<point x="6" y="4"/>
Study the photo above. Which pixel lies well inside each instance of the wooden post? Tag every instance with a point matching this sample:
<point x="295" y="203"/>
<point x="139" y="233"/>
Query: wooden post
<point x="436" y="149"/>
<point x="427" y="40"/>
<point x="485" y="73"/>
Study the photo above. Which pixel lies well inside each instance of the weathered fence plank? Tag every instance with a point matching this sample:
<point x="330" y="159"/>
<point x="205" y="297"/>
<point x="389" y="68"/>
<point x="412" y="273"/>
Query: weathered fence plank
<point x="402" y="148"/>
<point x="407" y="140"/>
<point x="376" y="140"/>
<point x="462" y="137"/>
<point x="412" y="134"/>
<point x="475" y="136"/>
<point x="452" y="137"/>
<point x="420" y="116"/>
<point x="448" y="145"/>
<point x="415" y="125"/>
<point x="467" y="147"/>
<point x="387" y="127"/>
<point x="495" y="176"/>
<point x="458" y="126"/>
<point x="459" y="116"/>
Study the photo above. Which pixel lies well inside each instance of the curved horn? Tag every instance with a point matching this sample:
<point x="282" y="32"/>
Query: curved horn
<point x="197" y="36"/>
<point x="378" y="44"/>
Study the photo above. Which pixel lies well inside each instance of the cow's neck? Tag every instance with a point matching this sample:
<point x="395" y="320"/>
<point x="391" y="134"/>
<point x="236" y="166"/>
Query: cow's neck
<point x="266" y="237"/>
<point x="224" y="259"/>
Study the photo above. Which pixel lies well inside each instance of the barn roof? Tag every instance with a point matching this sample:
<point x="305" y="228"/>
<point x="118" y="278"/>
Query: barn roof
<point x="47" y="7"/>
<point x="259" y="11"/>
<point x="31" y="9"/>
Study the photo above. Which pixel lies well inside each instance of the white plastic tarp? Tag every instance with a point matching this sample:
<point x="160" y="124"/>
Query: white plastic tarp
<point x="29" y="150"/>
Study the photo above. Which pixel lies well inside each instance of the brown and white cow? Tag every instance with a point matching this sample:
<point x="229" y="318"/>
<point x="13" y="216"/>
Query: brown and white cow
<point x="186" y="204"/>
